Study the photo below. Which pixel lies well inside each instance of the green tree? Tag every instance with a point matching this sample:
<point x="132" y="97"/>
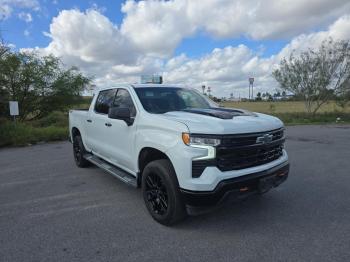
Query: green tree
<point x="317" y="75"/>
<point x="343" y="100"/>
<point x="267" y="96"/>
<point x="277" y="94"/>
<point x="41" y="84"/>
<point x="3" y="49"/>
<point x="3" y="93"/>
<point x="258" y="96"/>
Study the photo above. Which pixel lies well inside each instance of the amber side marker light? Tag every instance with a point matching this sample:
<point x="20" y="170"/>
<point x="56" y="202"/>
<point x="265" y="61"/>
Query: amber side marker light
<point x="244" y="189"/>
<point x="281" y="174"/>
<point x="186" y="138"/>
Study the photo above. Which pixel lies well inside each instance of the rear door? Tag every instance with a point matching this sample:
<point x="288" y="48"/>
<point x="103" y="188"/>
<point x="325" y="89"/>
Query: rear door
<point x="121" y="137"/>
<point x="98" y="129"/>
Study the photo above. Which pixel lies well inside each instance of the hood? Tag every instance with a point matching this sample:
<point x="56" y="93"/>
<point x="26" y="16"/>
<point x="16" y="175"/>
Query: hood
<point x="224" y="121"/>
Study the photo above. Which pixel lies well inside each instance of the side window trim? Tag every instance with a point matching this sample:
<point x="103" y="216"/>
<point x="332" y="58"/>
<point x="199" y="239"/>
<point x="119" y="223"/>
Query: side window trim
<point x="95" y="106"/>
<point x="98" y="95"/>
<point x="133" y="102"/>
<point x="115" y="97"/>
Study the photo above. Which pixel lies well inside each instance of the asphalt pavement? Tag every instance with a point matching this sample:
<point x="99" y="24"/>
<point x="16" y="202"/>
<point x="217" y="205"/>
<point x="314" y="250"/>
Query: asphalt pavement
<point x="50" y="210"/>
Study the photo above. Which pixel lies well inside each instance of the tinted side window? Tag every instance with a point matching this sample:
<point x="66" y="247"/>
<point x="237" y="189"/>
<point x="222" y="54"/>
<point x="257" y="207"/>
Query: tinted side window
<point x="123" y="99"/>
<point x="104" y="101"/>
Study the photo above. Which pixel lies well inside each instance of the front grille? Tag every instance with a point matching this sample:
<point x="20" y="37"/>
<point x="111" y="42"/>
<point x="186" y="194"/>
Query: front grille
<point x="248" y="139"/>
<point x="242" y="151"/>
<point x="231" y="159"/>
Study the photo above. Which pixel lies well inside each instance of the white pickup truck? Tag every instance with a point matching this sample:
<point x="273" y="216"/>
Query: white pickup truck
<point x="185" y="152"/>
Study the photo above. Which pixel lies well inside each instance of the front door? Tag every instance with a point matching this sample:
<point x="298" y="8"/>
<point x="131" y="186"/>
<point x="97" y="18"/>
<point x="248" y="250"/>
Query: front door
<point x="97" y="127"/>
<point x="120" y="136"/>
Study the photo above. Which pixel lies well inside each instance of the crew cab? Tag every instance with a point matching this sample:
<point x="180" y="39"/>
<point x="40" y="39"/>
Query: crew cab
<point x="186" y="153"/>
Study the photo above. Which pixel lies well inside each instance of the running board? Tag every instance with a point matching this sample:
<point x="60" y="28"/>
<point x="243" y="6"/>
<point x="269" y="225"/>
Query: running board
<point x="113" y="170"/>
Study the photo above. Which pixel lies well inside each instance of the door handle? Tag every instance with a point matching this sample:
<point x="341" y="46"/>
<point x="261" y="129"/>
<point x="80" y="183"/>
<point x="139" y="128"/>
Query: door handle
<point x="108" y="124"/>
<point x="89" y="120"/>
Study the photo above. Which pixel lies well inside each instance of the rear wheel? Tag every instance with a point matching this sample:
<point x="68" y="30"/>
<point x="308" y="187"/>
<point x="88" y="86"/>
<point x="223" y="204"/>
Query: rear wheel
<point x="79" y="151"/>
<point x="161" y="193"/>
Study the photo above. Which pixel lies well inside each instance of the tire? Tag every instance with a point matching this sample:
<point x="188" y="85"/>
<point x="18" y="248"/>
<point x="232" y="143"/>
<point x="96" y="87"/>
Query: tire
<point x="161" y="193"/>
<point x="78" y="152"/>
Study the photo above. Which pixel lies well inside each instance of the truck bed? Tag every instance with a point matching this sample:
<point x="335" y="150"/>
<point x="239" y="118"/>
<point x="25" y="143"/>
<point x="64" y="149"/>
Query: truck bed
<point x="77" y="118"/>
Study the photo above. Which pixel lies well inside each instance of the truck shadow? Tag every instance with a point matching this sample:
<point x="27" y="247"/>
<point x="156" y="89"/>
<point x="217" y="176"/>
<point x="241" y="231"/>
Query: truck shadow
<point x="241" y="215"/>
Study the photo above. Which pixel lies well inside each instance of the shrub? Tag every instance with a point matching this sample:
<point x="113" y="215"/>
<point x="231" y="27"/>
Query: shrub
<point x="56" y="118"/>
<point x="20" y="134"/>
<point x="320" y="118"/>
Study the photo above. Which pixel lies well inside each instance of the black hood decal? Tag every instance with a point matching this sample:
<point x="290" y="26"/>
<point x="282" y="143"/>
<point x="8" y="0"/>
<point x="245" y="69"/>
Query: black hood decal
<point x="218" y="112"/>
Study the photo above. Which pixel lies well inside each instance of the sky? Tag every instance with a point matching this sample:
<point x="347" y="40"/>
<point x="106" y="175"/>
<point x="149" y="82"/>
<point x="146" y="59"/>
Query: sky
<point x="217" y="43"/>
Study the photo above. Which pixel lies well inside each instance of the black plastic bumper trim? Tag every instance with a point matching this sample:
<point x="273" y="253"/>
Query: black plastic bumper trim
<point x="232" y="186"/>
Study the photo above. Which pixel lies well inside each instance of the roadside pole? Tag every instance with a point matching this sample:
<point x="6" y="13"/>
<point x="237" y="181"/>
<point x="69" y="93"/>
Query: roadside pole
<point x="251" y="84"/>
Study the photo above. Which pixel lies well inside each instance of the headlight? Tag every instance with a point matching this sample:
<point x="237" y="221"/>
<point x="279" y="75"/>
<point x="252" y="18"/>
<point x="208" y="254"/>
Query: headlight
<point x="200" y="141"/>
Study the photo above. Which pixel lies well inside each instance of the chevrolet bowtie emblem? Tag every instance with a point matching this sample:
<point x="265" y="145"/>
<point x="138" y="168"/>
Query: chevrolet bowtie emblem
<point x="265" y="139"/>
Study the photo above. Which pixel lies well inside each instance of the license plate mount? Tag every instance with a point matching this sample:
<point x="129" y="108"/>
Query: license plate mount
<point x="266" y="183"/>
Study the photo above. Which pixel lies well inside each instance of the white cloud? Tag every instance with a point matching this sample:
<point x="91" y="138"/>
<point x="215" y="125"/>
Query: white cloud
<point x="26" y="33"/>
<point x="7" y="7"/>
<point x="143" y="44"/>
<point x="227" y="70"/>
<point x="157" y="27"/>
<point x="90" y="37"/>
<point x="27" y="17"/>
<point x="92" y="42"/>
<point x="100" y="9"/>
<point x="11" y="46"/>
<point x="5" y="12"/>
<point x="338" y="30"/>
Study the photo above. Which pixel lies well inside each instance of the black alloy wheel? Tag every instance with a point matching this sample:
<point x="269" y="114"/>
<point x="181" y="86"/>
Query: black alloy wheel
<point x="79" y="151"/>
<point x="161" y="193"/>
<point x="157" y="195"/>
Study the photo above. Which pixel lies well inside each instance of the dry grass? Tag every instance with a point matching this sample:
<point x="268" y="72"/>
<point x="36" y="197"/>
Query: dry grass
<point x="283" y="107"/>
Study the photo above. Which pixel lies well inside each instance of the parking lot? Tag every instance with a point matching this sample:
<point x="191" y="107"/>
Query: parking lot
<point x="50" y="210"/>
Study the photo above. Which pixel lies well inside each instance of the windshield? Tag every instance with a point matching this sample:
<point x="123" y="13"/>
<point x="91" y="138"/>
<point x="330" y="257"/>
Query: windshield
<point x="159" y="100"/>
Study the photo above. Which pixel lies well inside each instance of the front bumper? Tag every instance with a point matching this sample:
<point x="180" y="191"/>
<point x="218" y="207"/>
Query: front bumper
<point x="237" y="187"/>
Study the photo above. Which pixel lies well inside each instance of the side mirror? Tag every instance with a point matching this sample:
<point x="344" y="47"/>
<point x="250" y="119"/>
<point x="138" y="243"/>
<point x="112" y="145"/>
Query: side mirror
<point x="121" y="113"/>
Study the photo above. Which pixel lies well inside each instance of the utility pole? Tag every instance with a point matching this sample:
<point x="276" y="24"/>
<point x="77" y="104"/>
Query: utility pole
<point x="249" y="92"/>
<point x="209" y="90"/>
<point x="251" y="85"/>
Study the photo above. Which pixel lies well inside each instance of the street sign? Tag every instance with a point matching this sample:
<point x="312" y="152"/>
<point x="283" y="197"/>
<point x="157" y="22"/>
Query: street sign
<point x="14" y="108"/>
<point x="251" y="80"/>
